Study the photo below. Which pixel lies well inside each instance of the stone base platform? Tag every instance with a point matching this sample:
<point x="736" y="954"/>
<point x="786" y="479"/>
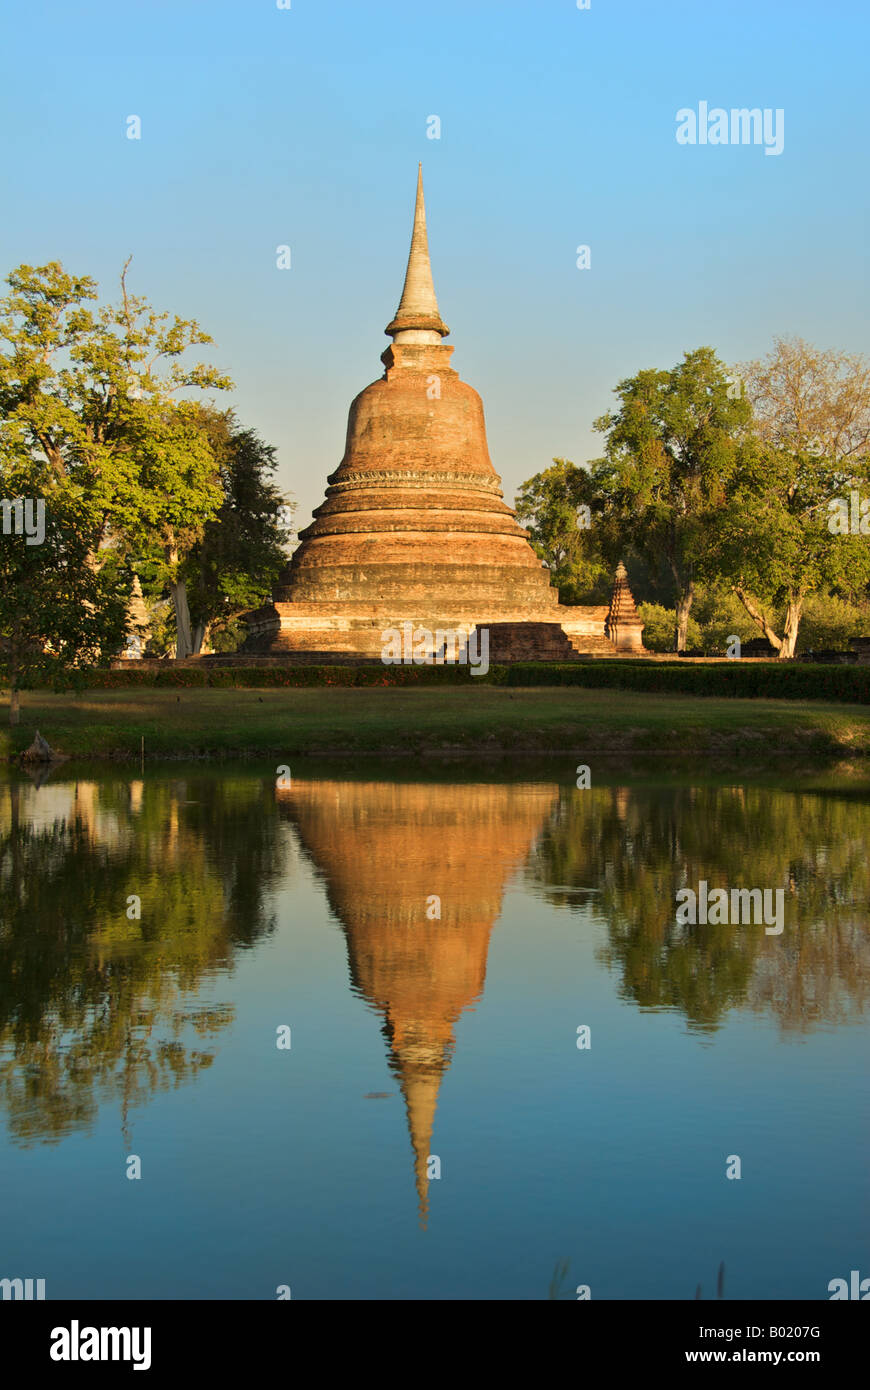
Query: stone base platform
<point x="305" y="632"/>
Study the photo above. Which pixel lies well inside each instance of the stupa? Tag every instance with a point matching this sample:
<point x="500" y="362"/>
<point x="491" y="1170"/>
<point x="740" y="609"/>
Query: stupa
<point x="414" y="527"/>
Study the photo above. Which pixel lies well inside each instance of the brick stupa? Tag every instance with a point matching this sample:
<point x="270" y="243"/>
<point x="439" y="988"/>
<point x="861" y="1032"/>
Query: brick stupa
<point x="414" y="528"/>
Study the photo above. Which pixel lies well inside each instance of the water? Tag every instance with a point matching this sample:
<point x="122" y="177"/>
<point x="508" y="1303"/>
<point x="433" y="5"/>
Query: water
<point x="416" y="1038"/>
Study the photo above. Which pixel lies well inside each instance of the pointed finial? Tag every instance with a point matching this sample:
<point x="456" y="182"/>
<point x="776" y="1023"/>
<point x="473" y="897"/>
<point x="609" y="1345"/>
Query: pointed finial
<point x="417" y="318"/>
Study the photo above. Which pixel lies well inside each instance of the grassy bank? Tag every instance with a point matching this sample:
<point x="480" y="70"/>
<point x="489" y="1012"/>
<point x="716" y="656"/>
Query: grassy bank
<point x="206" y="722"/>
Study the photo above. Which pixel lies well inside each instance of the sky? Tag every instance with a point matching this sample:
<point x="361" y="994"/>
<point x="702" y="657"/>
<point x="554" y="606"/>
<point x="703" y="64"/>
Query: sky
<point x="264" y="127"/>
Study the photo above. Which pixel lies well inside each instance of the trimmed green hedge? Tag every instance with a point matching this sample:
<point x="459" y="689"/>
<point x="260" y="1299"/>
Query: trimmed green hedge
<point x="769" y="680"/>
<point x="269" y="677"/>
<point x="749" y="680"/>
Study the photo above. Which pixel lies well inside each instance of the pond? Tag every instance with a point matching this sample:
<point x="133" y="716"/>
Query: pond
<point x="393" y="1033"/>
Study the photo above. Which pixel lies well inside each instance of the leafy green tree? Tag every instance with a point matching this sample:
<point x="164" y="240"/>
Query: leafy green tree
<point x="56" y="608"/>
<point x="658" y="628"/>
<point x="554" y="506"/>
<point x="94" y="393"/>
<point x="671" y="447"/>
<point x="234" y="565"/>
<point x="828" y="621"/>
<point x="776" y="540"/>
<point x="773" y="539"/>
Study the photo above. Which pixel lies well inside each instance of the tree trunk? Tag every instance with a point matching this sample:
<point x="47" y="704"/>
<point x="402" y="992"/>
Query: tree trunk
<point x="783" y="646"/>
<point x="684" y="608"/>
<point x="184" y="637"/>
<point x="790" y="631"/>
<point x="14" y="705"/>
<point x="199" y="635"/>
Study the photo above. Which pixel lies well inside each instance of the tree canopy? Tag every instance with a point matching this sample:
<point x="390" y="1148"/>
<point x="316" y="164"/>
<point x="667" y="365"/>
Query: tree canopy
<point x="108" y="420"/>
<point x="746" y="480"/>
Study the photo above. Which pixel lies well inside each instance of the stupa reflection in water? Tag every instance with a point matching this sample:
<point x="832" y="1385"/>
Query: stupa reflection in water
<point x="384" y="851"/>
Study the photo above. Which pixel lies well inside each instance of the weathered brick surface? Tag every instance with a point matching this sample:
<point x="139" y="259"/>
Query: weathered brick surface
<point x="414" y="527"/>
<point x="529" y="641"/>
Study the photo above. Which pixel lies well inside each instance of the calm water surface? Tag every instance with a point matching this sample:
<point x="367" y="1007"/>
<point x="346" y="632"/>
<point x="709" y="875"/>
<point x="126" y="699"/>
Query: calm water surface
<point x="421" y="1042"/>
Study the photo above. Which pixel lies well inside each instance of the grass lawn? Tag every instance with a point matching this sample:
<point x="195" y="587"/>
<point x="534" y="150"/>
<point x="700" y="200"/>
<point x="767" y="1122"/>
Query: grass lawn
<point x="196" y="722"/>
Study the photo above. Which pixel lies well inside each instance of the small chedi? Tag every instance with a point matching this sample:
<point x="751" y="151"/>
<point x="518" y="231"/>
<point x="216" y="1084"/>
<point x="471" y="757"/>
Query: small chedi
<point x="414" y="528"/>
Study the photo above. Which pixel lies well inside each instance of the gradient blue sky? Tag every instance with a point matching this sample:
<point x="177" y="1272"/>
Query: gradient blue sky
<point x="263" y="127"/>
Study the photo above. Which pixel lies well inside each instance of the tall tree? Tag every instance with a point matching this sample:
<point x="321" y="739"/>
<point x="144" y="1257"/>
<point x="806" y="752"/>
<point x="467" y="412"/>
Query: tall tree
<point x="555" y="508"/>
<point x="774" y="540"/>
<point x="56" y="609"/>
<point x="670" y="448"/>
<point x="235" y="563"/>
<point x="793" y="522"/>
<point x="95" y="394"/>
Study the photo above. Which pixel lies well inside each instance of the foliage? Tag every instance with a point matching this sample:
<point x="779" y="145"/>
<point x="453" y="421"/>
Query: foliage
<point x="658" y="630"/>
<point x="717" y="616"/>
<point x="811" y="446"/>
<point x="671" y="447"/>
<point x="56" y="610"/>
<point x="268" y="677"/>
<point x="241" y="552"/>
<point x="634" y="848"/>
<point x="739" y="679"/>
<point x="773" y="540"/>
<point x="550" y="506"/>
<point x="829" y="622"/>
<point x="92" y="394"/>
<point x="96" y="1008"/>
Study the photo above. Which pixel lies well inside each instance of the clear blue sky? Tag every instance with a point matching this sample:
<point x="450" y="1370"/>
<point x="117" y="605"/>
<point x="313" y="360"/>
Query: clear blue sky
<point x="263" y="127"/>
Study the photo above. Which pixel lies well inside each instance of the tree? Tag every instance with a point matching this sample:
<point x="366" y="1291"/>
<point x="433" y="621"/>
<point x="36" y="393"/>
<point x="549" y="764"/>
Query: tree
<point x="97" y="1005"/>
<point x="810" y="401"/>
<point x="670" y="449"/>
<point x="93" y="395"/>
<point x="789" y="526"/>
<point x="623" y="852"/>
<point x="56" y="609"/>
<point x="554" y="506"/>
<point x="233" y="566"/>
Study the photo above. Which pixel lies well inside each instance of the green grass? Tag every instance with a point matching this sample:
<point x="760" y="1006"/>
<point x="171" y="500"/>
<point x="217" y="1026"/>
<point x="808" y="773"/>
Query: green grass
<point x="284" y="722"/>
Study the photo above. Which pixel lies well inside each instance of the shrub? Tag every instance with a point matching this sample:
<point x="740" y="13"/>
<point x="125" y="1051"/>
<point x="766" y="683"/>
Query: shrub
<point x="659" y="625"/>
<point x="271" y="677"/>
<point x="770" y="680"/>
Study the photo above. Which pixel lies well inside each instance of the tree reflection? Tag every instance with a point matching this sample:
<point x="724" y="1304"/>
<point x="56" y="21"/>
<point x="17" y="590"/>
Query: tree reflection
<point x="626" y="852"/>
<point x="96" y="1005"/>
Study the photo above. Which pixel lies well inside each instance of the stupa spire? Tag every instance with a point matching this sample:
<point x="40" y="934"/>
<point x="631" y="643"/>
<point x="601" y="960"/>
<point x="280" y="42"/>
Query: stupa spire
<point x="417" y="318"/>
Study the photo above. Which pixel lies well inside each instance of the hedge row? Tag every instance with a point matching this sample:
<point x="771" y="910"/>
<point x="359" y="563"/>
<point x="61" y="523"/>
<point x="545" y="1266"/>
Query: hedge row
<point x="268" y="677"/>
<point x="768" y="680"/>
